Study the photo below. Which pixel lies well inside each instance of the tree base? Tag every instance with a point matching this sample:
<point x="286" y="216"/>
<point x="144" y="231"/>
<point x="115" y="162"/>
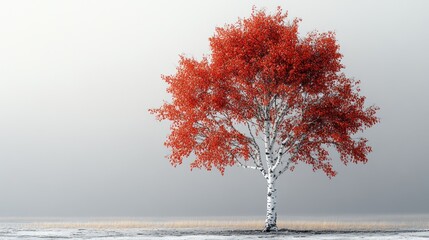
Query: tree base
<point x="270" y="228"/>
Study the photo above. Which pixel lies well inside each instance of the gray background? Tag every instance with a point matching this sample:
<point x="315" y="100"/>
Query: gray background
<point x="77" y="78"/>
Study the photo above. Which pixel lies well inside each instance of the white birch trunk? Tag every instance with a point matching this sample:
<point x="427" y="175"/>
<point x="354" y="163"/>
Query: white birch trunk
<point x="271" y="219"/>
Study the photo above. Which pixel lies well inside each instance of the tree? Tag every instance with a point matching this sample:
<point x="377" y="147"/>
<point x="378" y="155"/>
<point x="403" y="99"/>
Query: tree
<point x="266" y="99"/>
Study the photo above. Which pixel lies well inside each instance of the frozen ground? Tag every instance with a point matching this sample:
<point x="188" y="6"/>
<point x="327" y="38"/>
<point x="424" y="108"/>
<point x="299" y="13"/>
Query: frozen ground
<point x="214" y="230"/>
<point x="21" y="232"/>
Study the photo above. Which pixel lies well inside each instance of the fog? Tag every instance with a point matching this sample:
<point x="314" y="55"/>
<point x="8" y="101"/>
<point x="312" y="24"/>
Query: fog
<point x="77" y="78"/>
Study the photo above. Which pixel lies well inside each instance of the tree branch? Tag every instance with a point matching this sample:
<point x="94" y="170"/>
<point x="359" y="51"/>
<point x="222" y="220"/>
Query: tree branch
<point x="279" y="162"/>
<point x="261" y="170"/>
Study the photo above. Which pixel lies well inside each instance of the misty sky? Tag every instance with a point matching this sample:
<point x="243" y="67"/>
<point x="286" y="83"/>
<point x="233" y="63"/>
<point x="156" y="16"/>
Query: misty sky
<point x="77" y="78"/>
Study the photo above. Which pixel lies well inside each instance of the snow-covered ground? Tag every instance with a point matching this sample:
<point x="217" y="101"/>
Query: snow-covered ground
<point x="323" y="228"/>
<point x="17" y="231"/>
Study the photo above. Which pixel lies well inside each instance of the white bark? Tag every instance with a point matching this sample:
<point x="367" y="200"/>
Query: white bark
<point x="268" y="150"/>
<point x="271" y="218"/>
<point x="270" y="120"/>
<point x="269" y="140"/>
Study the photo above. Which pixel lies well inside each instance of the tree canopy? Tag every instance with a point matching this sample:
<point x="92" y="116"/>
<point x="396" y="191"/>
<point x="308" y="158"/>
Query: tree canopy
<point x="263" y="85"/>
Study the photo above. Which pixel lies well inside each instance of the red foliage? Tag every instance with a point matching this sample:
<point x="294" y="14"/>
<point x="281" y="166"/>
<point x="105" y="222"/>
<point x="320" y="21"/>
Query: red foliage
<point x="262" y="63"/>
